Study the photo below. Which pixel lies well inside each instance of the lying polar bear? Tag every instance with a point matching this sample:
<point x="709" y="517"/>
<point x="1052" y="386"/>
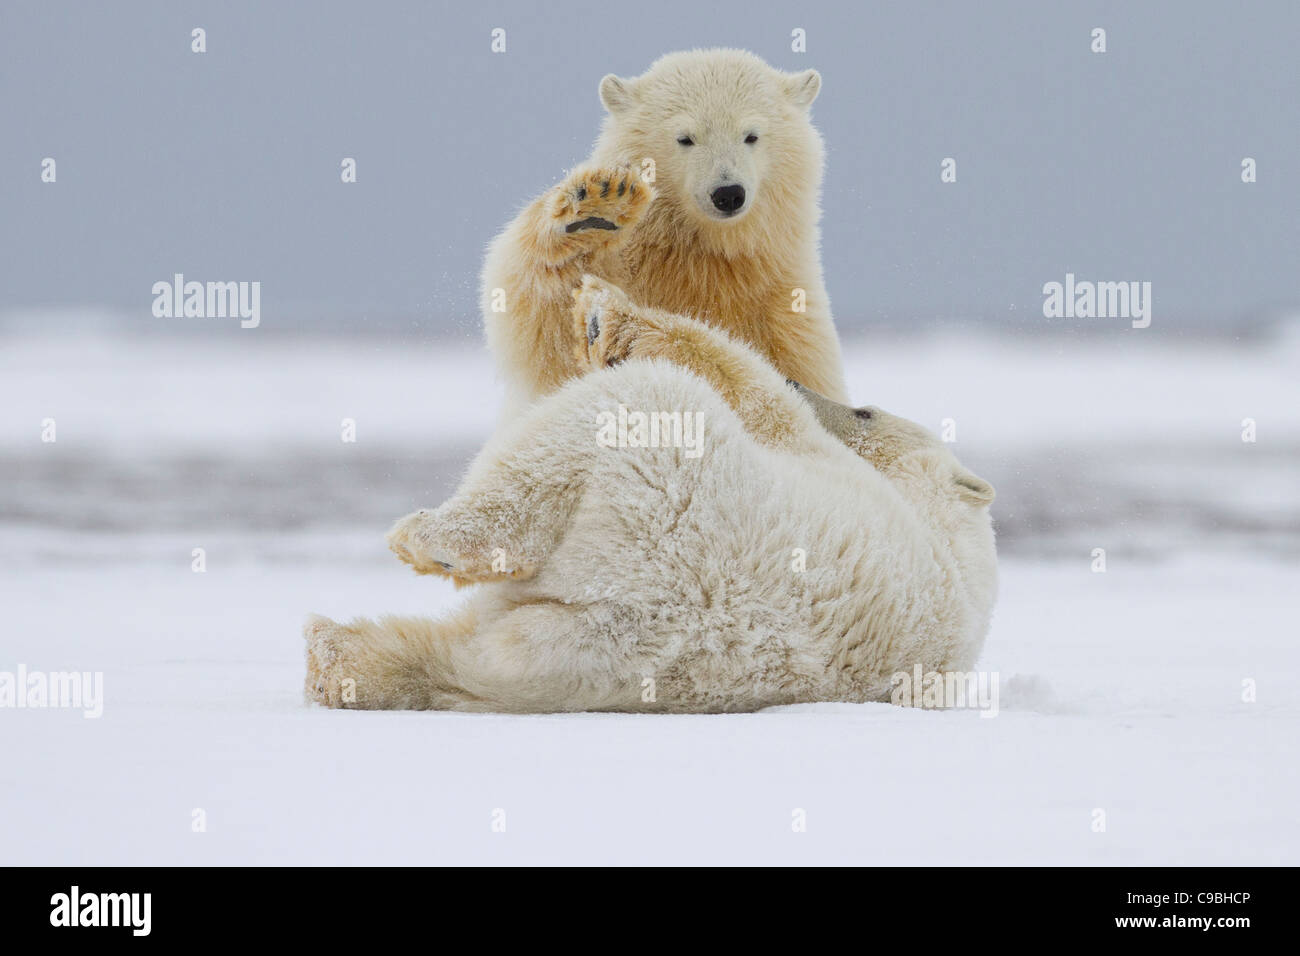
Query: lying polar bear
<point x="801" y="551"/>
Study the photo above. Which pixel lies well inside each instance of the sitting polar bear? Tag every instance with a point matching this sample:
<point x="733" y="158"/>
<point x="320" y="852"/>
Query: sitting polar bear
<point x="727" y="232"/>
<point x="795" y="550"/>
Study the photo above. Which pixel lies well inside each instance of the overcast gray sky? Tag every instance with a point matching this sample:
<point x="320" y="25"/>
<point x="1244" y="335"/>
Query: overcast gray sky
<point x="225" y="165"/>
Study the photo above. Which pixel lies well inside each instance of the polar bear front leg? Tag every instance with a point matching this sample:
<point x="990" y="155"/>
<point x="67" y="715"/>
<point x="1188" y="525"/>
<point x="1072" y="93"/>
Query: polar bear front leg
<point x="468" y="540"/>
<point x="534" y="265"/>
<point x="591" y="206"/>
<point x="515" y="503"/>
<point x="609" y="328"/>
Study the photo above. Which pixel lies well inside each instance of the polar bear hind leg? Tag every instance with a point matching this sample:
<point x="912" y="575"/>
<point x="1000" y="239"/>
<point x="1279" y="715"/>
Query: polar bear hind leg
<point x="393" y="663"/>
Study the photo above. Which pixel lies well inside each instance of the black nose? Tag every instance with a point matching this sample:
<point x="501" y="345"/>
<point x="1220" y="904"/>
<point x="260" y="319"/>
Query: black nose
<point x="729" y="199"/>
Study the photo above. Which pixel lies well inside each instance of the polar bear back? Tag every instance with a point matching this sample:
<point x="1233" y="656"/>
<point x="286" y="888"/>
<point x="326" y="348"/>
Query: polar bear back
<point x="743" y="560"/>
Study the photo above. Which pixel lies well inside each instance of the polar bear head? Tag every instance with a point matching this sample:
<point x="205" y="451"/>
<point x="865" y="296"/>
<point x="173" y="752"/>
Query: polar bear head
<point x="730" y="138"/>
<point x="948" y="498"/>
<point x="914" y="459"/>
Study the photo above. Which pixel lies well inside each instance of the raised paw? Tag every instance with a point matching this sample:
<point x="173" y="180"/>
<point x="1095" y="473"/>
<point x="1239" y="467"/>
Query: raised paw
<point x="600" y="201"/>
<point x="606" y="324"/>
<point x="409" y="540"/>
<point x="435" y="542"/>
<point x="331" y="654"/>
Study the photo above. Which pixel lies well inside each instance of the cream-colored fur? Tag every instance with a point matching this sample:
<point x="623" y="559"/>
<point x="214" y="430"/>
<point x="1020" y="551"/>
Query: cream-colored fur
<point x="757" y="274"/>
<point x="809" y="553"/>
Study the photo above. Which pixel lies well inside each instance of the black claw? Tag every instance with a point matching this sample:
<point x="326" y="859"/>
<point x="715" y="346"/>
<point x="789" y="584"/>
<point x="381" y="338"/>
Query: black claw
<point x="604" y="189"/>
<point x="593" y="327"/>
<point x="445" y="565"/>
<point x="622" y="187"/>
<point x="581" y="193"/>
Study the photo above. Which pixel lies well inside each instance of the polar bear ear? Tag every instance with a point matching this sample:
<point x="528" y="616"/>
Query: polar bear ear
<point x="615" y="93"/>
<point x="802" y="88"/>
<point x="973" y="489"/>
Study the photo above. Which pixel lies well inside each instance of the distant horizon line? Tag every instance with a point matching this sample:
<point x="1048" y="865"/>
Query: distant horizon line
<point x="42" y="319"/>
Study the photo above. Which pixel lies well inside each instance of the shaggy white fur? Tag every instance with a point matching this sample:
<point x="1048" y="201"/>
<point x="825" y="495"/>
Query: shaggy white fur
<point x="804" y="551"/>
<point x="643" y="212"/>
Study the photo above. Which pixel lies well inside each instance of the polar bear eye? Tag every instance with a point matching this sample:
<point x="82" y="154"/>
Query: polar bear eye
<point x="751" y="138"/>
<point x="863" y="413"/>
<point x="685" y="141"/>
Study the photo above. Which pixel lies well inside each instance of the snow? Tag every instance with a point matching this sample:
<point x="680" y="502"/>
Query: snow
<point x="244" y="391"/>
<point x="1119" y="691"/>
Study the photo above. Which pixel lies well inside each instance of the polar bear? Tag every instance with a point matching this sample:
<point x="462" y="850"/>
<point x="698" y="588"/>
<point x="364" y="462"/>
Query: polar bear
<point x="801" y="551"/>
<point x="727" y="233"/>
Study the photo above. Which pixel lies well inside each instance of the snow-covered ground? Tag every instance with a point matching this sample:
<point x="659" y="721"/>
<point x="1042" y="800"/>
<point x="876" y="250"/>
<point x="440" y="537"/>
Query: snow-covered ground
<point x="1120" y="692"/>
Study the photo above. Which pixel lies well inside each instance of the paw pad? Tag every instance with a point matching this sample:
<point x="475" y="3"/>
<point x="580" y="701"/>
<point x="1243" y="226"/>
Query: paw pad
<point x="591" y="222"/>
